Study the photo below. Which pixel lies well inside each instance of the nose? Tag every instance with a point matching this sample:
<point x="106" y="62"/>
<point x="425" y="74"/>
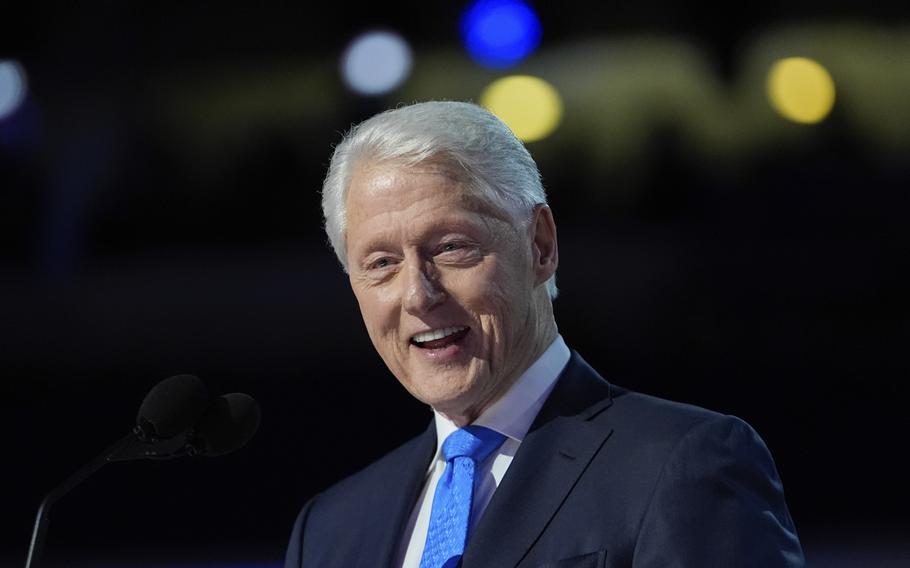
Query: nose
<point x="422" y="290"/>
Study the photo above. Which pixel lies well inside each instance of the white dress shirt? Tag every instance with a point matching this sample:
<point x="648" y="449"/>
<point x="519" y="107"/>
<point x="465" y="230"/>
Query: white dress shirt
<point x="511" y="416"/>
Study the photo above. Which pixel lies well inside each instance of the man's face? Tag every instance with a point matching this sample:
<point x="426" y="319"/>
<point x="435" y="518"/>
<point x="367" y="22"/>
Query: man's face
<point x="447" y="285"/>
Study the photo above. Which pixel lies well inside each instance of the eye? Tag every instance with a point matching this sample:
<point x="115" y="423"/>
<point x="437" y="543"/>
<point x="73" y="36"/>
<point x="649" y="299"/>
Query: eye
<point x="380" y="263"/>
<point x="458" y="253"/>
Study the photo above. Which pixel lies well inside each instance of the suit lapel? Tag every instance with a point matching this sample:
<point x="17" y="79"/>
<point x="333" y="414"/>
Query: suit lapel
<point x="559" y="446"/>
<point x="390" y="508"/>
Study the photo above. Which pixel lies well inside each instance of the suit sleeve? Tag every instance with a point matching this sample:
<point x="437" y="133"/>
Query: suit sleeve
<point x="294" y="555"/>
<point x="718" y="502"/>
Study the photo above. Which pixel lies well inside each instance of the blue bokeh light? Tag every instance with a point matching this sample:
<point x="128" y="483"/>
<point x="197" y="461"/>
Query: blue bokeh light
<point x="500" y="33"/>
<point x="376" y="62"/>
<point x="12" y="87"/>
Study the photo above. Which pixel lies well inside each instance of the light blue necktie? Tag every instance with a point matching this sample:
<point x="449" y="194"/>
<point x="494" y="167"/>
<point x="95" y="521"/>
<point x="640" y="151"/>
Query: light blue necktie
<point x="451" y="513"/>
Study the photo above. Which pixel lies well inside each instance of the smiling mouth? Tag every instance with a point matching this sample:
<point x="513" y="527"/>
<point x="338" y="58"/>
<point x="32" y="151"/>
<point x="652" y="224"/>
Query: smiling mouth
<point x="439" y="338"/>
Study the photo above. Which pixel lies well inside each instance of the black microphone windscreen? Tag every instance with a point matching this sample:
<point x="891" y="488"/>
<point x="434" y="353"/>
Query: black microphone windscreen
<point x="228" y="424"/>
<point x="172" y="406"/>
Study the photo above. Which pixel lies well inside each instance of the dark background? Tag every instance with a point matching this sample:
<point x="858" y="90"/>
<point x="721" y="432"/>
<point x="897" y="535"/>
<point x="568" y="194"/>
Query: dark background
<point x="159" y="215"/>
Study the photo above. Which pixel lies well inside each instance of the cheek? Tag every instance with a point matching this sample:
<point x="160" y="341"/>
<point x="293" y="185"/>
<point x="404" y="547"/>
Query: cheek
<point x="494" y="295"/>
<point x="378" y="311"/>
<point x="508" y="301"/>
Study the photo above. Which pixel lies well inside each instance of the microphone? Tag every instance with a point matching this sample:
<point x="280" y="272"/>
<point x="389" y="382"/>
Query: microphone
<point x="174" y="419"/>
<point x="171" y="407"/>
<point x="165" y="417"/>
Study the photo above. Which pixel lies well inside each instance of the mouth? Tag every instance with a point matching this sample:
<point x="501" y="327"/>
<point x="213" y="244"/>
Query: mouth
<point x="439" y="338"/>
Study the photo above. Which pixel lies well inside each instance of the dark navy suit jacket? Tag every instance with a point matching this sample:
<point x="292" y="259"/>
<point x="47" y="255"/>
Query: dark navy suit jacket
<point x="604" y="477"/>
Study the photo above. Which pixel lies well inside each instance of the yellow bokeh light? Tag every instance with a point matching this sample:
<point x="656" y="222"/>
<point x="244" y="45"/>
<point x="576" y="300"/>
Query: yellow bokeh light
<point x="530" y="106"/>
<point x="800" y="89"/>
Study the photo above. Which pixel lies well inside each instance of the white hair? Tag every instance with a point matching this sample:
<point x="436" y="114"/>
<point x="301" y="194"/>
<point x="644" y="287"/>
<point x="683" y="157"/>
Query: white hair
<point x="467" y="137"/>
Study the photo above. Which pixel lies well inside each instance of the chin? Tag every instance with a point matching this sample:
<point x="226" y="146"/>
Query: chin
<point x="444" y="398"/>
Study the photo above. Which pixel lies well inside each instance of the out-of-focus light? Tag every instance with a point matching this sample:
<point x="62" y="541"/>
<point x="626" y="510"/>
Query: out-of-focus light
<point x="800" y="89"/>
<point x="500" y="33"/>
<point x="12" y="87"/>
<point x="376" y="62"/>
<point x="530" y="106"/>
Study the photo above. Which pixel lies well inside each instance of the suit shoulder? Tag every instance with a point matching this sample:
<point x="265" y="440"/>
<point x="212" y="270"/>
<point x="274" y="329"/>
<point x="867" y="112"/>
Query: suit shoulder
<point x="701" y="455"/>
<point x="646" y="421"/>
<point x="661" y="409"/>
<point x="665" y="423"/>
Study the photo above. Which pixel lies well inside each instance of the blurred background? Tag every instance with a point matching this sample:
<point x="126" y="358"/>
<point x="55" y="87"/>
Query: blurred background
<point x="730" y="184"/>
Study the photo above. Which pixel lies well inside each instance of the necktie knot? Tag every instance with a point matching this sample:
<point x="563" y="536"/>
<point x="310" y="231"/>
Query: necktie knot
<point x="475" y="442"/>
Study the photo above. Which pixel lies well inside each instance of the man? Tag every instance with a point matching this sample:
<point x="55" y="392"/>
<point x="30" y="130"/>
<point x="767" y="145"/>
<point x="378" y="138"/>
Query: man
<point x="438" y="215"/>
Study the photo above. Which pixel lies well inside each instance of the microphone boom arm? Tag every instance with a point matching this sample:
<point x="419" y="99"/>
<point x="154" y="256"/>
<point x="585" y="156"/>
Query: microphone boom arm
<point x="135" y="445"/>
<point x="175" y="420"/>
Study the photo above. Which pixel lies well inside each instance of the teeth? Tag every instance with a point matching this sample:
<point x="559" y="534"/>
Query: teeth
<point x="437" y="334"/>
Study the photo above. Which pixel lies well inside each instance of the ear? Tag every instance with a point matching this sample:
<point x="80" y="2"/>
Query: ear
<point x="544" y="252"/>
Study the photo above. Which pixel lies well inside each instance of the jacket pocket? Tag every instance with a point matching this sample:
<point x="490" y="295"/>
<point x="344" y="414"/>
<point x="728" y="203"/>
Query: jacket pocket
<point x="596" y="559"/>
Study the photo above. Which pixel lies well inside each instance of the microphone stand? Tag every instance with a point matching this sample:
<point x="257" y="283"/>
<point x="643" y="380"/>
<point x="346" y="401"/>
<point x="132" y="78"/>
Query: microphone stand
<point x="135" y="445"/>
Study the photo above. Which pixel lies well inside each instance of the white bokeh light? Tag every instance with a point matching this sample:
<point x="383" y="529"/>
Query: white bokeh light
<point x="12" y="87"/>
<point x="376" y="62"/>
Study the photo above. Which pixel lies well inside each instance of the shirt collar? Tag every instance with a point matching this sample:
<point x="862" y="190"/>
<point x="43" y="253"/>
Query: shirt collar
<point x="514" y="412"/>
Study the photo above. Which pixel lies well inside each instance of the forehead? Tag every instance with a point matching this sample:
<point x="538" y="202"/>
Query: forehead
<point x="386" y="188"/>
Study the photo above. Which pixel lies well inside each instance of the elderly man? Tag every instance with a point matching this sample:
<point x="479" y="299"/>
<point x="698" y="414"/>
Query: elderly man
<point x="438" y="215"/>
